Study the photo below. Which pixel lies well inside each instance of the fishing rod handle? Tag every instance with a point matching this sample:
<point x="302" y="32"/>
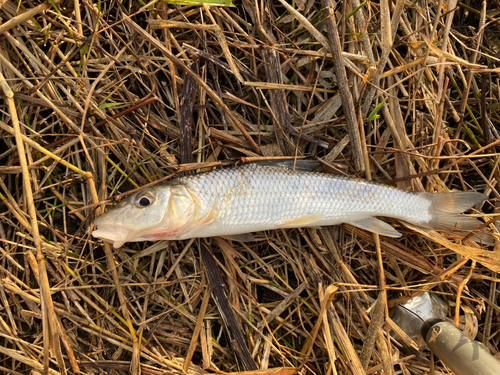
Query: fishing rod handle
<point x="457" y="351"/>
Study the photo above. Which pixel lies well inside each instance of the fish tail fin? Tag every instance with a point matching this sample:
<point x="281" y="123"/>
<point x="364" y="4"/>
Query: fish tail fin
<point x="446" y="212"/>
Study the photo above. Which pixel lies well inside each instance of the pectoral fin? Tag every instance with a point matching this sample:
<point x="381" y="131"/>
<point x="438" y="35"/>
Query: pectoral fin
<point x="376" y="226"/>
<point x="212" y="215"/>
<point x="303" y="221"/>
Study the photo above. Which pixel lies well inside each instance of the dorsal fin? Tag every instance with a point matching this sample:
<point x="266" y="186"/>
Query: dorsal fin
<point x="302" y="165"/>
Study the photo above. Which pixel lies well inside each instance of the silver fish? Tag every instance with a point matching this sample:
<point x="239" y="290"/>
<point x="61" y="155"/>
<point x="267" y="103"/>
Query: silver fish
<point x="256" y="197"/>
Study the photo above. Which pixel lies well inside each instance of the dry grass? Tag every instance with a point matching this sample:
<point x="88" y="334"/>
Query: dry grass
<point x="102" y="98"/>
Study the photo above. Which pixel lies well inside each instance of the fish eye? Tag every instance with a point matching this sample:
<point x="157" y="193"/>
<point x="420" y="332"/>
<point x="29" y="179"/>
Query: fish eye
<point x="145" y="199"/>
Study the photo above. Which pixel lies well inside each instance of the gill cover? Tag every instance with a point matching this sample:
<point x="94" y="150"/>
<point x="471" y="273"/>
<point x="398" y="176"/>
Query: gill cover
<point x="182" y="211"/>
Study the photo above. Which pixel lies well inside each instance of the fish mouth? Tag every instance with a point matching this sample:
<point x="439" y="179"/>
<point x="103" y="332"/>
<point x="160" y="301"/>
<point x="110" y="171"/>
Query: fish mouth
<point x="112" y="234"/>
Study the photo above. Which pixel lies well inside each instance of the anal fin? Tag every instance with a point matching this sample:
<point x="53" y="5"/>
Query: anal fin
<point x="376" y="226"/>
<point x="303" y="221"/>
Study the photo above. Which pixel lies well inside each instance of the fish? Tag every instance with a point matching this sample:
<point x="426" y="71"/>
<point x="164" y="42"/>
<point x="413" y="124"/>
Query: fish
<point x="233" y="202"/>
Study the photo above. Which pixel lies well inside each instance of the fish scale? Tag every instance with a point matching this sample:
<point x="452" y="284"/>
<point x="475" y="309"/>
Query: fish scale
<point x="256" y="197"/>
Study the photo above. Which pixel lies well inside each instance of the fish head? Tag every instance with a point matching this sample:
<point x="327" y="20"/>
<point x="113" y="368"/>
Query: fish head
<point x="161" y="212"/>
